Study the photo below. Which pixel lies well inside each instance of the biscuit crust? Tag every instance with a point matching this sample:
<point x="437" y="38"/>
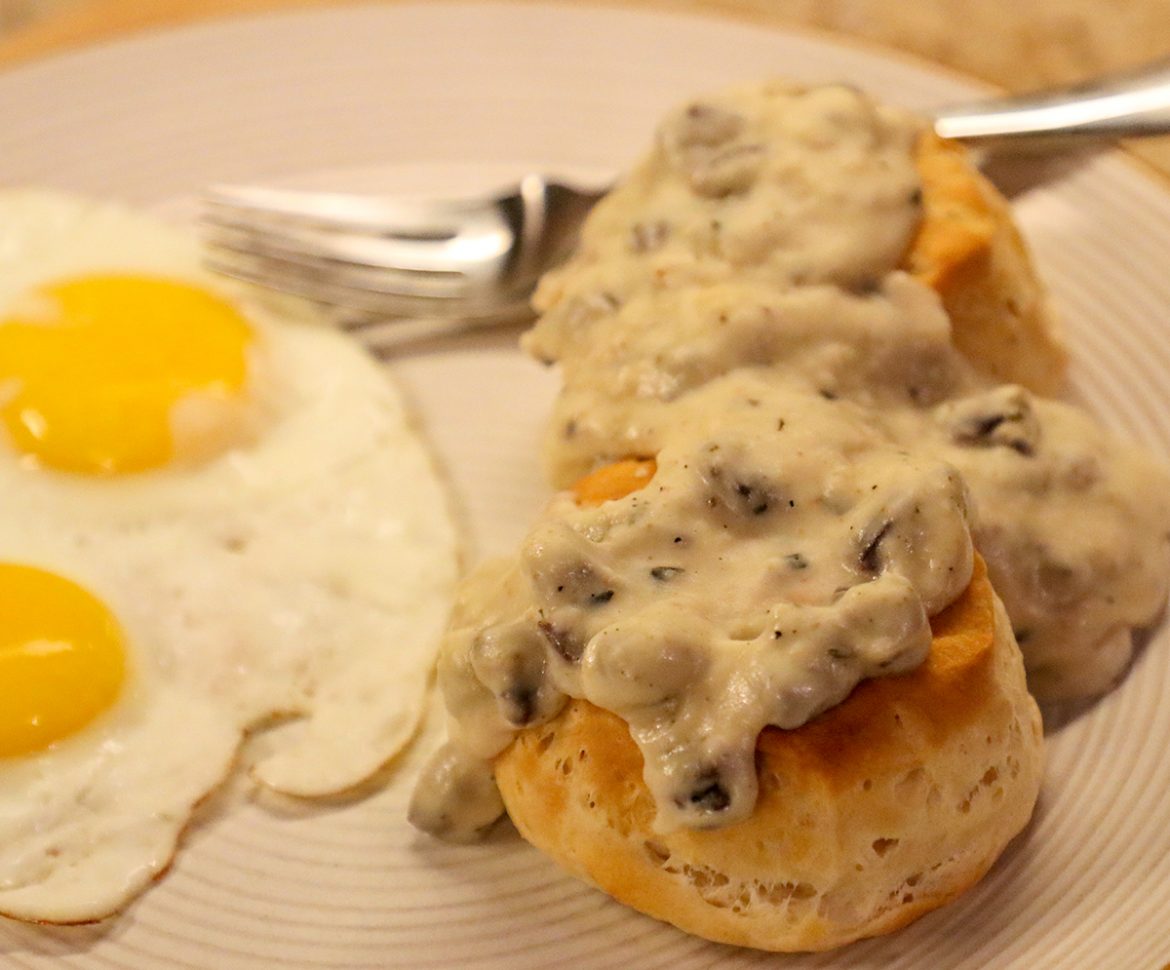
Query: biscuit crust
<point x="970" y="252"/>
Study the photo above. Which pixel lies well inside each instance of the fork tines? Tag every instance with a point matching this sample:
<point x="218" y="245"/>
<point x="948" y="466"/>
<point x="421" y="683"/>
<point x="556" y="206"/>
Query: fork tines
<point x="371" y="258"/>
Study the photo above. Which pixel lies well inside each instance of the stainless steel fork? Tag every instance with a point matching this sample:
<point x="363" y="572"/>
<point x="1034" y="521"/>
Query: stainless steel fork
<point x="456" y="263"/>
<point x="465" y="261"/>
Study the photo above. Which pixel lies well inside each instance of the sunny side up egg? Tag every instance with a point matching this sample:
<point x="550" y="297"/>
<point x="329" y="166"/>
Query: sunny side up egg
<point x="216" y="518"/>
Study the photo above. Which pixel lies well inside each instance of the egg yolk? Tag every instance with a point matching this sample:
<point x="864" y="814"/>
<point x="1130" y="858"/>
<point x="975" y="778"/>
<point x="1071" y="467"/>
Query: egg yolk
<point x="62" y="658"/>
<point x="91" y="369"/>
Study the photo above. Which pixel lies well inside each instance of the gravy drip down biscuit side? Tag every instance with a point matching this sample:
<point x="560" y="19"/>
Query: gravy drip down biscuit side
<point x="865" y="261"/>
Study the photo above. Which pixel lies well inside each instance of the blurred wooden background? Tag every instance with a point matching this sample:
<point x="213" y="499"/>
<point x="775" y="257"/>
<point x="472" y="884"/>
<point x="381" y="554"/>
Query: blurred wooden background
<point x="1017" y="44"/>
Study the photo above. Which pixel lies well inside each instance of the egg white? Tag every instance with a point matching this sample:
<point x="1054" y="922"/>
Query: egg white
<point x="304" y="574"/>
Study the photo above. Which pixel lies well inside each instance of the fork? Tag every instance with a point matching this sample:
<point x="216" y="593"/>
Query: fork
<point x="446" y="263"/>
<point x="391" y="268"/>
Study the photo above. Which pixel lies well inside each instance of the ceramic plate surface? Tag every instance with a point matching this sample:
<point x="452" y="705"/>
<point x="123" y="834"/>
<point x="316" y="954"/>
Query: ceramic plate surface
<point x="438" y="97"/>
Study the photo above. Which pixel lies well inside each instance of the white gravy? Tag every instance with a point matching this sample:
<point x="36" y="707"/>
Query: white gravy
<point x="824" y="460"/>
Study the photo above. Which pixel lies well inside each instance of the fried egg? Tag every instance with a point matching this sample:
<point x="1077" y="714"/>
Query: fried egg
<point x="101" y="759"/>
<point x="250" y="532"/>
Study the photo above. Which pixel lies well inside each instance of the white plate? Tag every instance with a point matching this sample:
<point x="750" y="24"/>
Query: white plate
<point x="437" y="96"/>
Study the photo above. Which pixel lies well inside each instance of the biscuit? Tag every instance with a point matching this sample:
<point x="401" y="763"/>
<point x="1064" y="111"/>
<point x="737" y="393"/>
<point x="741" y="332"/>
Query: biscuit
<point x="639" y="319"/>
<point x="876" y="812"/>
<point x="729" y="271"/>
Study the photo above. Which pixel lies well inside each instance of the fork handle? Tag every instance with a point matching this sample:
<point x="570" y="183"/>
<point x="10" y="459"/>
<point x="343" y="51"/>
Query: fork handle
<point x="1126" y="105"/>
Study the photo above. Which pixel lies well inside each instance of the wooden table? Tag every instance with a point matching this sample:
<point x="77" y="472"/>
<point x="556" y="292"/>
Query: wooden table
<point x="1017" y="44"/>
